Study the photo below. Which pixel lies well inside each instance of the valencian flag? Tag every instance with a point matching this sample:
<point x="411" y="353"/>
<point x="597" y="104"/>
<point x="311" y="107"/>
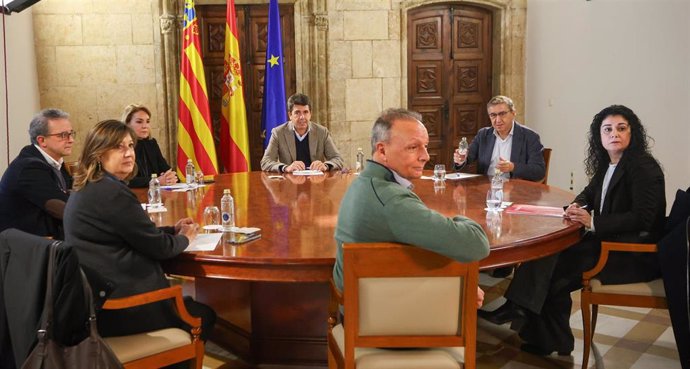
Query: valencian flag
<point x="194" y="132"/>
<point x="234" y="139"/>
<point x="274" y="111"/>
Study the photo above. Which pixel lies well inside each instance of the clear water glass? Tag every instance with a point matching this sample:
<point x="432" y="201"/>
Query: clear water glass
<point x="199" y="177"/>
<point x="212" y="218"/>
<point x="439" y="172"/>
<point x="494" y="198"/>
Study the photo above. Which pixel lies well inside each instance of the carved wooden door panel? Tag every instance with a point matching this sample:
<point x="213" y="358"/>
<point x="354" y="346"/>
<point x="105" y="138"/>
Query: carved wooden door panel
<point x="252" y="23"/>
<point x="449" y="73"/>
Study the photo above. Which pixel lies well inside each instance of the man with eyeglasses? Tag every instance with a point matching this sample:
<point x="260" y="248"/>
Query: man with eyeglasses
<point x="506" y="146"/>
<point x="36" y="185"/>
<point x="299" y="143"/>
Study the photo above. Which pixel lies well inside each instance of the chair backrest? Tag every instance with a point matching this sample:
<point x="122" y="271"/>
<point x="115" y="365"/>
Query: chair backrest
<point x="547" y="158"/>
<point x="403" y="296"/>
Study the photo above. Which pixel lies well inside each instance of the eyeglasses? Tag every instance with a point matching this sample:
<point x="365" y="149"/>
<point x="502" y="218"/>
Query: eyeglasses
<point x="620" y="129"/>
<point x="499" y="114"/>
<point x="63" y="135"/>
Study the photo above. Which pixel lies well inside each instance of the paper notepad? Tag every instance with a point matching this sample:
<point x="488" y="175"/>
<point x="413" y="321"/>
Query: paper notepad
<point x="204" y="242"/>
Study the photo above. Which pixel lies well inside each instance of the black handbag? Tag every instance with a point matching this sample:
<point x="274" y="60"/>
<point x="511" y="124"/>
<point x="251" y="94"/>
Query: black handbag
<point x="91" y="353"/>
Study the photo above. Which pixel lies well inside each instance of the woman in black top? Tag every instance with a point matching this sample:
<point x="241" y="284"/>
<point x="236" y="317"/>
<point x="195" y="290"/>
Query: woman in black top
<point x="113" y="235"/>
<point x="149" y="157"/>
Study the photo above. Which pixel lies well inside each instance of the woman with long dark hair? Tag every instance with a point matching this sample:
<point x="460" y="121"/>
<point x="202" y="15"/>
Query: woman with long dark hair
<point x="625" y="202"/>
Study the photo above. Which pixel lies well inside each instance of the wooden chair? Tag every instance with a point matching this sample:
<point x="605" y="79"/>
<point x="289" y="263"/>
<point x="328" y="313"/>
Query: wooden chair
<point x="398" y="296"/>
<point x="648" y="294"/>
<point x="162" y="347"/>
<point x="547" y="158"/>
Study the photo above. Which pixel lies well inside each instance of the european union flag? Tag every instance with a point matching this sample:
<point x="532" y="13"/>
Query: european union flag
<point x="274" y="111"/>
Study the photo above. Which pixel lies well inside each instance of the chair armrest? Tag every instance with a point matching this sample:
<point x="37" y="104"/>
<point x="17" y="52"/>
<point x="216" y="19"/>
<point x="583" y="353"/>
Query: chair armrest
<point x="334" y="304"/>
<point x="606" y="247"/>
<point x="174" y="292"/>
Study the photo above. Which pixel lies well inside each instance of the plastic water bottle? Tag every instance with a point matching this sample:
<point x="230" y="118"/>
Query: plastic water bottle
<point x="497" y="180"/>
<point x="359" y="163"/>
<point x="463" y="146"/>
<point x="154" y="192"/>
<point x="189" y="172"/>
<point x="497" y="186"/>
<point x="227" y="210"/>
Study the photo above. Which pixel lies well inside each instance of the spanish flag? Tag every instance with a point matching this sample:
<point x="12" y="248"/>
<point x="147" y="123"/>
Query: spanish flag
<point x="194" y="132"/>
<point x="234" y="139"/>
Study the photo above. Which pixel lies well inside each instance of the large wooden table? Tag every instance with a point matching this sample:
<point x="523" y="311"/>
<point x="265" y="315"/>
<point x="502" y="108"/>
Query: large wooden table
<point x="271" y="294"/>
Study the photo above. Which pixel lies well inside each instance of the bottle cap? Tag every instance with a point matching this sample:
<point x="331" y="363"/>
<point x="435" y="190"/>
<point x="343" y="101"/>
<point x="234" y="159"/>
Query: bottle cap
<point x="154" y="175"/>
<point x="226" y="191"/>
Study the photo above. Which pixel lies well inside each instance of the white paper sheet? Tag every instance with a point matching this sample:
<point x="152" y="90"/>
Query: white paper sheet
<point x="181" y="187"/>
<point x="308" y="172"/>
<point x="204" y="242"/>
<point x="453" y="176"/>
<point x="156" y="209"/>
<point x="460" y="175"/>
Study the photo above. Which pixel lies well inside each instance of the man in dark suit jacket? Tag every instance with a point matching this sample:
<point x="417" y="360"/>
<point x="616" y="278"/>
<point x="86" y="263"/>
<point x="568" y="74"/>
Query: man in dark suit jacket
<point x="508" y="146"/>
<point x="300" y="144"/>
<point x="35" y="186"/>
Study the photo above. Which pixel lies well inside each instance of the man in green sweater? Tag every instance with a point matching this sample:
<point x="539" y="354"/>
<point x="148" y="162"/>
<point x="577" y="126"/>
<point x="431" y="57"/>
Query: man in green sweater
<point x="380" y="206"/>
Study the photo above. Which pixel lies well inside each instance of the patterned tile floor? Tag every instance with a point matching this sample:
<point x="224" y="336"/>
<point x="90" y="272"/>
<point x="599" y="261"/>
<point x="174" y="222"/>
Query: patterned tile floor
<point x="625" y="338"/>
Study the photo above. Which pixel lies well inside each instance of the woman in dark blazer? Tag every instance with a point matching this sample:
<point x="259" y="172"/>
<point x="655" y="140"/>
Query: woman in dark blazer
<point x="112" y="234"/>
<point x="624" y="201"/>
<point x="150" y="160"/>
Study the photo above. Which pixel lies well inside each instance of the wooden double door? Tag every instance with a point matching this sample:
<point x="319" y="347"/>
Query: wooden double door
<point x="449" y="53"/>
<point x="252" y="26"/>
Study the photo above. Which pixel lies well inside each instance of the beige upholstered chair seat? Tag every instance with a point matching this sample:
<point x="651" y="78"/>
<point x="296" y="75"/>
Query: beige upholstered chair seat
<point x="417" y="358"/>
<point x="647" y="294"/>
<point x="163" y="347"/>
<point x="651" y="288"/>
<point x="137" y="346"/>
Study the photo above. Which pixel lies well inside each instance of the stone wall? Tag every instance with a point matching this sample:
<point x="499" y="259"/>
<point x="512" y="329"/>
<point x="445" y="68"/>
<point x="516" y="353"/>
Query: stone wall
<point x="96" y="56"/>
<point x="367" y="56"/>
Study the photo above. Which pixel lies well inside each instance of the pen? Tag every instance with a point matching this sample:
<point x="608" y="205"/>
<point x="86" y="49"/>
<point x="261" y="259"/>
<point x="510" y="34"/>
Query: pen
<point x="581" y="207"/>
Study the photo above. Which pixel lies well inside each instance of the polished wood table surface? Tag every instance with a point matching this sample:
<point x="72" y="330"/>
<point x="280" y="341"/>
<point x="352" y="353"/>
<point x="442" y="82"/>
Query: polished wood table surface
<point x="298" y="215"/>
<point x="267" y="320"/>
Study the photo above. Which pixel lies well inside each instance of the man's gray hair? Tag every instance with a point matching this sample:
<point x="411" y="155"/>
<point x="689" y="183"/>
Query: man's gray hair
<point x="39" y="123"/>
<point x="381" y="132"/>
<point x="500" y="99"/>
